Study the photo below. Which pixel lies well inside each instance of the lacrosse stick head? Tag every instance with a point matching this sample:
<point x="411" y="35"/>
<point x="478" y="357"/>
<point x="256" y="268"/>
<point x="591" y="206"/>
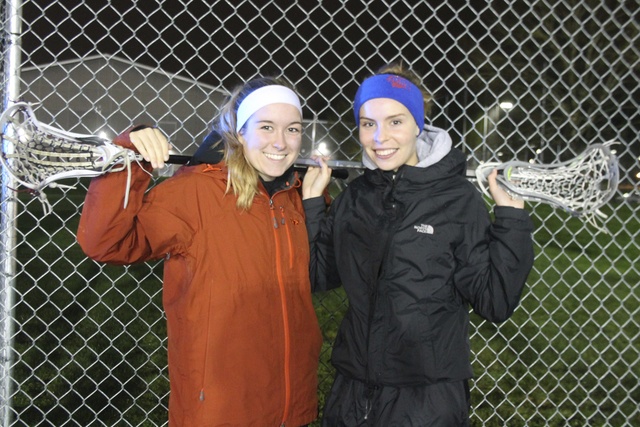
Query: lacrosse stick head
<point x="580" y="186"/>
<point x="38" y="155"/>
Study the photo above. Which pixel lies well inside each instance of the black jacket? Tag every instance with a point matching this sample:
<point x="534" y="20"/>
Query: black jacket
<point x="413" y="249"/>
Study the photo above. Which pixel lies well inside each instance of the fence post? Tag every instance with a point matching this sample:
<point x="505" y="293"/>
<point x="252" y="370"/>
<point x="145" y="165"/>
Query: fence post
<point x="8" y="207"/>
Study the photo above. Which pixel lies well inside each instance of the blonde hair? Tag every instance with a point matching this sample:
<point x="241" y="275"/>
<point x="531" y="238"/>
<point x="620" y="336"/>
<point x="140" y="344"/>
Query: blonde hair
<point x="243" y="178"/>
<point x="398" y="69"/>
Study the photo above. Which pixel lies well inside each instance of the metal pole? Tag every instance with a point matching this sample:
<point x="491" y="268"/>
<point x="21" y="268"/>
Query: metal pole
<point x="313" y="134"/>
<point x="485" y="134"/>
<point x="8" y="206"/>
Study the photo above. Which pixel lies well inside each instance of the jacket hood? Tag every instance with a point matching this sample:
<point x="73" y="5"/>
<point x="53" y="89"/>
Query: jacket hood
<point x="432" y="145"/>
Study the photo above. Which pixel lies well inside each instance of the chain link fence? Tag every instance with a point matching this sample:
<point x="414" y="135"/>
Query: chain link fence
<point x="535" y="80"/>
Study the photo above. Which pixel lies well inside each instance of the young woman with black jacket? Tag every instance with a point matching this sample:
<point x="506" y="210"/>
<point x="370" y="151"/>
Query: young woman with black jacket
<point x="413" y="245"/>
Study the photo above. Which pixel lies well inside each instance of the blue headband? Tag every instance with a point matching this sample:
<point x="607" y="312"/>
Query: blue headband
<point x="393" y="87"/>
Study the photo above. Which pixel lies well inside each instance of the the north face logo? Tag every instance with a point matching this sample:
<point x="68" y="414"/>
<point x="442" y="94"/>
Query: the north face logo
<point x="424" y="228"/>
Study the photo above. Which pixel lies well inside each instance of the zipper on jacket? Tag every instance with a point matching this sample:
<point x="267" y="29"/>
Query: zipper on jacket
<point x="370" y="387"/>
<point x="373" y="298"/>
<point x="285" y="320"/>
<point x="286" y="227"/>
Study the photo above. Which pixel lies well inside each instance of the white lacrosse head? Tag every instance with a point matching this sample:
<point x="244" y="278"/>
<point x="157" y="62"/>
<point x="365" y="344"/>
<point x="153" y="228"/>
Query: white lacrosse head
<point x="38" y="155"/>
<point x="580" y="186"/>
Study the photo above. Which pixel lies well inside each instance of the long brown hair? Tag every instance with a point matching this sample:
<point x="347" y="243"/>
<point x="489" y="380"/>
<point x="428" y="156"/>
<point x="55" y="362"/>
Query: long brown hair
<point x="243" y="177"/>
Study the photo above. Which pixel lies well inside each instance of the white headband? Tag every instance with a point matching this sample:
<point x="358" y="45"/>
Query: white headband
<point x="266" y="95"/>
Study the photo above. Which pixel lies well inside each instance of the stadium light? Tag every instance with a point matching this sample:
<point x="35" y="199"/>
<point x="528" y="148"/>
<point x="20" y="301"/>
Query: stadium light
<point x="506" y="105"/>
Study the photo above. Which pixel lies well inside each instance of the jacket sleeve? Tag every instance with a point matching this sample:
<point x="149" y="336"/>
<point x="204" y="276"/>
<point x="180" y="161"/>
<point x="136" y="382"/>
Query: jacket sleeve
<point x="322" y="263"/>
<point x="148" y="228"/>
<point x="494" y="262"/>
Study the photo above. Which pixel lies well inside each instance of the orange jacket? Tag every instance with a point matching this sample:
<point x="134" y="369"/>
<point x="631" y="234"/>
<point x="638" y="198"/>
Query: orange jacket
<point x="243" y="338"/>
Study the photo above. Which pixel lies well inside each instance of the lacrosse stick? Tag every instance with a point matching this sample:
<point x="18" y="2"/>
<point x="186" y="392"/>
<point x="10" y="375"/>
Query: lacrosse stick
<point x="580" y="186"/>
<point x="38" y="155"/>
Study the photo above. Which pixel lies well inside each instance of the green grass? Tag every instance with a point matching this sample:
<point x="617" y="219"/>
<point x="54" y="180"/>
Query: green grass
<point x="569" y="355"/>
<point x="89" y="339"/>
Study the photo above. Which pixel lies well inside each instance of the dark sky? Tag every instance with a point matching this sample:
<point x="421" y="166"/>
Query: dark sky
<point x="323" y="49"/>
<point x="468" y="52"/>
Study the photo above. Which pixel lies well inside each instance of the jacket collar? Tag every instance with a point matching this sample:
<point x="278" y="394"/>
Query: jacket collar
<point x="452" y="164"/>
<point x="289" y="179"/>
<point x="283" y="182"/>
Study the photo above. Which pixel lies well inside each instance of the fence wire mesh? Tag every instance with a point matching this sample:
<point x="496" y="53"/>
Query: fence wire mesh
<point x="532" y="80"/>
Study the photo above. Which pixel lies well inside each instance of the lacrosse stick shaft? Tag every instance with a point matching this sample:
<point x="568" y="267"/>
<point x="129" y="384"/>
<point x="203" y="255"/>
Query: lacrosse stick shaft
<point x="339" y="168"/>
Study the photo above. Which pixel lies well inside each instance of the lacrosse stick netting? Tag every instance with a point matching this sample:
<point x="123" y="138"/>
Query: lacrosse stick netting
<point x="580" y="186"/>
<point x="38" y="155"/>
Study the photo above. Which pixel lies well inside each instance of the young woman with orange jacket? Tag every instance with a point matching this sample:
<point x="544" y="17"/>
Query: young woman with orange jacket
<point x="243" y="338"/>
